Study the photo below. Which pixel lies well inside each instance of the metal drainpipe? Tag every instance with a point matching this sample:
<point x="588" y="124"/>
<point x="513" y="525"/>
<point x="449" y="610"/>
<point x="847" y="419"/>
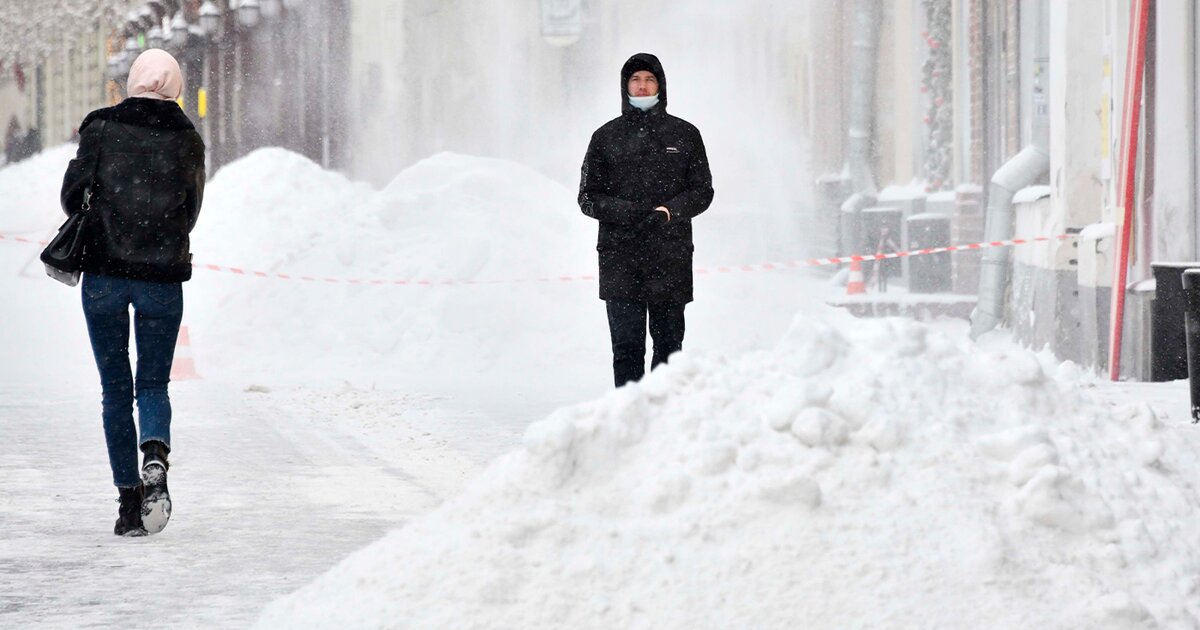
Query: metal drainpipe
<point x="1024" y="169"/>
<point x="864" y="41"/>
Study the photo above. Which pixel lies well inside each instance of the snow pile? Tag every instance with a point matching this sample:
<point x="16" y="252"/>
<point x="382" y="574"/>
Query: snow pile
<point x="272" y="207"/>
<point x="456" y="218"/>
<point x="448" y="218"/>
<point x="43" y="337"/>
<point x="29" y="192"/>
<point x="863" y="473"/>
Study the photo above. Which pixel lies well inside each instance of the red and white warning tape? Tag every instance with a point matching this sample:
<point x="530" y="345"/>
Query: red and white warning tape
<point x="814" y="262"/>
<point x="768" y="266"/>
<point x="22" y="239"/>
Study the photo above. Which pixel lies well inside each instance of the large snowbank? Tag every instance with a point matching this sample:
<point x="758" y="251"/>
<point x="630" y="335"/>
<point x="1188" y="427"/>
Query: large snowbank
<point x="29" y="192"/>
<point x="860" y="474"/>
<point x="447" y="218"/>
<point x="450" y="217"/>
<point x="42" y="334"/>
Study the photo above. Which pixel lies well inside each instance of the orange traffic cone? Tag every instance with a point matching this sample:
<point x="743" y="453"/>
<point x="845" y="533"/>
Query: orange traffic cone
<point x="184" y="367"/>
<point x="855" y="283"/>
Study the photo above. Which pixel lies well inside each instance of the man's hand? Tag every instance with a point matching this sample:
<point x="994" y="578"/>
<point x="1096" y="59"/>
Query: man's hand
<point x="656" y="218"/>
<point x="653" y="220"/>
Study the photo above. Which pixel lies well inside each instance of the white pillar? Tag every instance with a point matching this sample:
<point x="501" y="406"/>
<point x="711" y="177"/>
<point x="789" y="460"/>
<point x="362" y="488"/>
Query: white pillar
<point x="1174" y="221"/>
<point x="1076" y="100"/>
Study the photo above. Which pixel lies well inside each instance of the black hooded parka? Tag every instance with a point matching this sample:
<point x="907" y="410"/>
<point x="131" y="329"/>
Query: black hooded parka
<point x="149" y="186"/>
<point x="634" y="163"/>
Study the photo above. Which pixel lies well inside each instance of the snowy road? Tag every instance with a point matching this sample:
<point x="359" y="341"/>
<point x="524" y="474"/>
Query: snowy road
<point x="270" y="489"/>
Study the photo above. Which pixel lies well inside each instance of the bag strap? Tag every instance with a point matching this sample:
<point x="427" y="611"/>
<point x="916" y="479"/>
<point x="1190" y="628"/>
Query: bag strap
<point x="87" y="193"/>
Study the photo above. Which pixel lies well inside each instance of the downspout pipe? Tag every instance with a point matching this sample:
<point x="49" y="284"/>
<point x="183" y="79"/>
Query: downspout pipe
<point x="1024" y="169"/>
<point x="864" y="40"/>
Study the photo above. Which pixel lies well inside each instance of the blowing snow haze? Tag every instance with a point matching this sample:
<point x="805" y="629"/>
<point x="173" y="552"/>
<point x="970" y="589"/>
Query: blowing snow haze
<point x="477" y="78"/>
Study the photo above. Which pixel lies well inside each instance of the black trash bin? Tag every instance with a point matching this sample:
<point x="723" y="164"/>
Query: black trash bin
<point x="832" y="191"/>
<point x="1191" y="291"/>
<point x="1168" y="343"/>
<point x="929" y="273"/>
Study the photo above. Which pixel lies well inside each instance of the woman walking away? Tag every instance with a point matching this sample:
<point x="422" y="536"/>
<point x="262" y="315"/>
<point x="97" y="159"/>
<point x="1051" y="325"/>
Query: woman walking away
<point x="139" y="174"/>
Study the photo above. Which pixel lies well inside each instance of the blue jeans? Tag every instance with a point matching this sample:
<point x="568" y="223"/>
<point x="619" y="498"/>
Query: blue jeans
<point x="158" y="309"/>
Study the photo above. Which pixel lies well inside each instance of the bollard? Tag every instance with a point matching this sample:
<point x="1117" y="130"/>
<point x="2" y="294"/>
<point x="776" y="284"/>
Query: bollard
<point x="1168" y="341"/>
<point x="1191" y="318"/>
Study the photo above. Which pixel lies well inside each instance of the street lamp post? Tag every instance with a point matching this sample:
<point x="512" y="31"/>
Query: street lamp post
<point x="249" y="13"/>
<point x="271" y="8"/>
<point x="145" y="18"/>
<point x="154" y="37"/>
<point x="180" y="31"/>
<point x="114" y="66"/>
<point x="210" y="20"/>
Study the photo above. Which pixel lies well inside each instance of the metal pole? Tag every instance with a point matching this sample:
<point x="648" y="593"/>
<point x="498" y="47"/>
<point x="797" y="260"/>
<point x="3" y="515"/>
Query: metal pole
<point x="1128" y="189"/>
<point x="863" y="67"/>
<point x="238" y="83"/>
<point x="325" y="92"/>
<point x="1191" y="320"/>
<point x="206" y="85"/>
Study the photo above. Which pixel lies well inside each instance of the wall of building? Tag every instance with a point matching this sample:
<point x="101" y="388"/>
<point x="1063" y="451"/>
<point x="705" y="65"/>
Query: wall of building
<point x="1174" y="224"/>
<point x="73" y="84"/>
<point x="59" y="90"/>
<point x="825" y="124"/>
<point x="900" y="104"/>
<point x="14" y="104"/>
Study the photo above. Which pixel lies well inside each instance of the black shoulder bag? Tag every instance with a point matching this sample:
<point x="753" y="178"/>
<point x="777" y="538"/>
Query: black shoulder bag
<point x="63" y="257"/>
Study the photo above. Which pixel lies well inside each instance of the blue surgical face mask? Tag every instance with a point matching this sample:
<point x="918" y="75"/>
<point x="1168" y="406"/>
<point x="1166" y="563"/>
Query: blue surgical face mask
<point x="643" y="103"/>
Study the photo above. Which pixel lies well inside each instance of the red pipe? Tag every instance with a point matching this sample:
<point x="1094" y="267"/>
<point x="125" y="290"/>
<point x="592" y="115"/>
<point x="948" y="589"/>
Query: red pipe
<point x="1127" y="192"/>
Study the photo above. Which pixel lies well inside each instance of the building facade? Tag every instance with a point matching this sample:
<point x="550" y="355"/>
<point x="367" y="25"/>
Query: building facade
<point x="913" y="105"/>
<point x="261" y="73"/>
<point x="1026" y="73"/>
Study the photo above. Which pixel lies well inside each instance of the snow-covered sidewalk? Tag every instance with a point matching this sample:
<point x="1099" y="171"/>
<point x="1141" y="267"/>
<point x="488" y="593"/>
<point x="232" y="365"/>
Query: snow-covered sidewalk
<point x="270" y="489"/>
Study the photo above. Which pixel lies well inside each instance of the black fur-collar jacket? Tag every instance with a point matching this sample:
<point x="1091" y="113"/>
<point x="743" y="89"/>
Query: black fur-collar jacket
<point x="146" y="162"/>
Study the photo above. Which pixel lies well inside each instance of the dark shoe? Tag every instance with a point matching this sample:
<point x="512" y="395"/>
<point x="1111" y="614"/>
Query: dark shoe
<point x="156" y="505"/>
<point x="129" y="515"/>
<point x="155" y="451"/>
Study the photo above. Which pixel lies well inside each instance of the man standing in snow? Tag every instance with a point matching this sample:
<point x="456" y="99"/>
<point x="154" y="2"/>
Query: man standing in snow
<point x="644" y="178"/>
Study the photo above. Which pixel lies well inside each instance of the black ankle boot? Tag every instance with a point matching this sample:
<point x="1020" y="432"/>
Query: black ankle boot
<point x="154" y="451"/>
<point x="156" y="505"/>
<point x="129" y="514"/>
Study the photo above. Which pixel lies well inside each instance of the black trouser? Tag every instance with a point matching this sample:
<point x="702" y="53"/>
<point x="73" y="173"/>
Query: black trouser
<point x="627" y="324"/>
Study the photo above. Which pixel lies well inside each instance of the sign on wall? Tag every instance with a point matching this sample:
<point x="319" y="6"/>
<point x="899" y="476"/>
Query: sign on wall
<point x="562" y="21"/>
